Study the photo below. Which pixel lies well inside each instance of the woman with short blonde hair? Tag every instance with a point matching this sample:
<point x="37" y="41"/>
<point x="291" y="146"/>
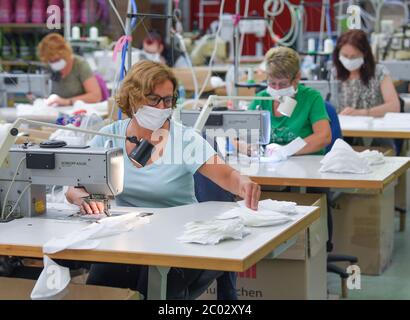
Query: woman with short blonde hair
<point x="147" y="96"/>
<point x="72" y="78"/>
<point x="308" y="118"/>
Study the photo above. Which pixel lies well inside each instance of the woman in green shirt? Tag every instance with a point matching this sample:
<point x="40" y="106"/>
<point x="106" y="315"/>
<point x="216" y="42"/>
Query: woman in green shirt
<point x="309" y="119"/>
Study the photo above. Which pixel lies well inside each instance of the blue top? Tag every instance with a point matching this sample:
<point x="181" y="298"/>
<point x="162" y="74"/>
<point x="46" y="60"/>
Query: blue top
<point x="168" y="181"/>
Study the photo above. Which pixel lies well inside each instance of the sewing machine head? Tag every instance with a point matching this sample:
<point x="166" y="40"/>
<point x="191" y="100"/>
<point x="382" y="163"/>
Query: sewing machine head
<point x="100" y="171"/>
<point x="254" y="127"/>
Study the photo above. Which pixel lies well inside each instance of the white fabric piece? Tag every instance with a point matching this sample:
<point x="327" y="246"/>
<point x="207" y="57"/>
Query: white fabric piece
<point x="39" y="107"/>
<point x="354" y="122"/>
<point x="287" y="207"/>
<point x="52" y="281"/>
<point x="260" y="218"/>
<point x="372" y="157"/>
<point x="343" y="159"/>
<point x="277" y="153"/>
<point x="86" y="238"/>
<point x="100" y="108"/>
<point x="213" y="231"/>
<point x="393" y="120"/>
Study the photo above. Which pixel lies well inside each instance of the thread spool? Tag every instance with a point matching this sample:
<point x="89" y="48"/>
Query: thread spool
<point x="328" y="45"/>
<point x="93" y="33"/>
<point x="311" y="45"/>
<point x="75" y="33"/>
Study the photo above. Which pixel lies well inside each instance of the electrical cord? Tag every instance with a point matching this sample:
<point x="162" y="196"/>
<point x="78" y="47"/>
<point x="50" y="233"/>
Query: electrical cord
<point x="3" y="210"/>
<point x="18" y="200"/>
<point x="211" y="61"/>
<point x="114" y="8"/>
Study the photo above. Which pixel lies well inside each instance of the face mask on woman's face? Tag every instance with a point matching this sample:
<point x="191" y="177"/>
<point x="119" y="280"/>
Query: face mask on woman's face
<point x="285" y="92"/>
<point x="152" y="118"/>
<point x="58" y="65"/>
<point x="351" y="64"/>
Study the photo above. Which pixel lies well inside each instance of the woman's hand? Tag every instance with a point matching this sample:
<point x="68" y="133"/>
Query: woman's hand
<point x="55" y="100"/>
<point x="76" y="196"/>
<point x="231" y="180"/>
<point x="250" y="192"/>
<point x="91" y="207"/>
<point x="349" y="111"/>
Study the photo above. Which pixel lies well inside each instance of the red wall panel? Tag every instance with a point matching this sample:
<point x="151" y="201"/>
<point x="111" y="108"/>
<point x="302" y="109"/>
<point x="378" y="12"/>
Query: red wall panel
<point x="282" y="23"/>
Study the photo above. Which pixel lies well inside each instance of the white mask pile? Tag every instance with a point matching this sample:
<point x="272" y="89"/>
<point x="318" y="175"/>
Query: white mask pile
<point x="213" y="231"/>
<point x="260" y="218"/>
<point x="372" y="157"/>
<point x="286" y="207"/>
<point x="343" y="159"/>
<point x="85" y="238"/>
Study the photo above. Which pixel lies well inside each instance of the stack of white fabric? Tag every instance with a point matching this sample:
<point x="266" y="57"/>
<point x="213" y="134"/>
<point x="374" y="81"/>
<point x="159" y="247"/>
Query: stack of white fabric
<point x="393" y="120"/>
<point x="286" y="207"/>
<point x="269" y="213"/>
<point x="213" y="231"/>
<point x="38" y="108"/>
<point x="372" y="157"/>
<point x="343" y="159"/>
<point x="86" y="238"/>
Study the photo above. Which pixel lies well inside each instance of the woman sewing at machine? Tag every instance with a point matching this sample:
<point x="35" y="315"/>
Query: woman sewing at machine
<point x="366" y="87"/>
<point x="148" y="96"/>
<point x="306" y="116"/>
<point x="72" y="78"/>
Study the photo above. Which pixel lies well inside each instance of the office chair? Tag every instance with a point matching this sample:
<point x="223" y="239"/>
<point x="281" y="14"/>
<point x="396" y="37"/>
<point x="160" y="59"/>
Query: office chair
<point x="331" y="258"/>
<point x="105" y="93"/>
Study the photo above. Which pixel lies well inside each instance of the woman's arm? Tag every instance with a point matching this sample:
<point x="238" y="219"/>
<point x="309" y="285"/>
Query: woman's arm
<point x="319" y="139"/>
<point x="390" y="97"/>
<point x="231" y="180"/>
<point x="92" y="91"/>
<point x="75" y="196"/>
<point x="92" y="94"/>
<point x="391" y="102"/>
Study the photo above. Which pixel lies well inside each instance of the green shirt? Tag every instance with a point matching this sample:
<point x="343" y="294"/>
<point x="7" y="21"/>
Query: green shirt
<point x="72" y="85"/>
<point x="310" y="108"/>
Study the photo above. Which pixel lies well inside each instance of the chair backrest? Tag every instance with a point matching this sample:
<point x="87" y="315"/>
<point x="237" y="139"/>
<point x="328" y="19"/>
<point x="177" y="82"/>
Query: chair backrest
<point x="334" y="125"/>
<point x="103" y="86"/>
<point x="207" y="190"/>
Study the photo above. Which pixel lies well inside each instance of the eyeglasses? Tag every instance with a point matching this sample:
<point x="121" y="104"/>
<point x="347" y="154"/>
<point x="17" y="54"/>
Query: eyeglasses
<point x="169" y="101"/>
<point x="281" y="84"/>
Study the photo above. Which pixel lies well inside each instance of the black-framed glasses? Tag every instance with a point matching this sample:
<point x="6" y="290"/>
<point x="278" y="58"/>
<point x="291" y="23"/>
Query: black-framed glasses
<point x="169" y="101"/>
<point x="281" y="83"/>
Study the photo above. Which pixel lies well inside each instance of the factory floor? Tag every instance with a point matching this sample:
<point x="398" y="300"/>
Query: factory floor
<point x="393" y="284"/>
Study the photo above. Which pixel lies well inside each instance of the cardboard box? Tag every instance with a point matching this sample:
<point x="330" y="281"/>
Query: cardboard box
<point x="20" y="289"/>
<point x="299" y="272"/>
<point x="281" y="279"/>
<point x="184" y="76"/>
<point x="363" y="226"/>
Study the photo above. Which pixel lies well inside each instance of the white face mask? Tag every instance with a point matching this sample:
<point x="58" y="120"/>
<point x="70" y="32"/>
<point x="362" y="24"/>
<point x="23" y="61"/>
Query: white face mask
<point x="152" y="118"/>
<point x="351" y="64"/>
<point x="156" y="57"/>
<point x="285" y="92"/>
<point x="287" y="104"/>
<point x="59" y="65"/>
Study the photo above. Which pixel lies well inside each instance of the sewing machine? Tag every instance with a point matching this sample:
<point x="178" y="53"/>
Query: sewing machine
<point x="329" y="90"/>
<point x="251" y="126"/>
<point x="203" y="48"/>
<point x="23" y="84"/>
<point x="99" y="170"/>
